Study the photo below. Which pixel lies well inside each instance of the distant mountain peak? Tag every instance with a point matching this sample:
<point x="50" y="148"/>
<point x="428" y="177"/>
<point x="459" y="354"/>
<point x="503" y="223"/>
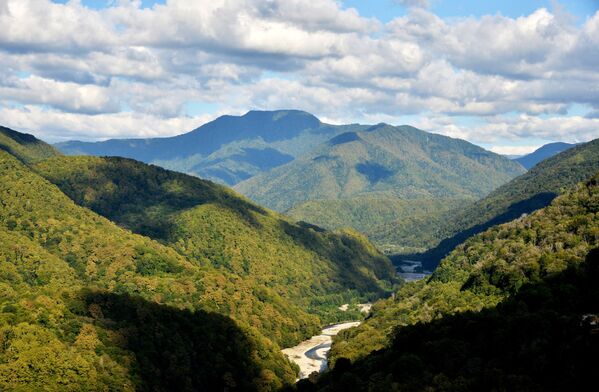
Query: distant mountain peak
<point x="542" y="153"/>
<point x="283" y="115"/>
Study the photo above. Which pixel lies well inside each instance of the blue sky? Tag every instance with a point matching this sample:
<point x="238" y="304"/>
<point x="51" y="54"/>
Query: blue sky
<point x="508" y="75"/>
<point x="386" y="10"/>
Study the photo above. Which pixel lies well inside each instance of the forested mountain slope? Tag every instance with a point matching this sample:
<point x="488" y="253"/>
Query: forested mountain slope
<point x="215" y="227"/>
<point x="25" y="147"/>
<point x="544" y="338"/>
<point x="542" y="153"/>
<point x="488" y="269"/>
<point x="383" y="160"/>
<point x="224" y="283"/>
<point x="523" y="195"/>
<point x="56" y="334"/>
<point x="227" y="150"/>
<point x="392" y="224"/>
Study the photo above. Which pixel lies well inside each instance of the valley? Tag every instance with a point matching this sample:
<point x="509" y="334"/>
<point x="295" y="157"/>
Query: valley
<point x="299" y="196"/>
<point x="124" y="245"/>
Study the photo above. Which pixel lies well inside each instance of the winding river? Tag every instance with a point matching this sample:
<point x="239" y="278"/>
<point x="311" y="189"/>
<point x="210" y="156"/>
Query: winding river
<point x="311" y="355"/>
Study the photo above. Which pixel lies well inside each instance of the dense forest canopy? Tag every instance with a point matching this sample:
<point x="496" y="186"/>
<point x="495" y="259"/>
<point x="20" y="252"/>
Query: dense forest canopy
<point x="230" y="281"/>
<point x="525" y="277"/>
<point x="523" y="195"/>
<point x="383" y="160"/>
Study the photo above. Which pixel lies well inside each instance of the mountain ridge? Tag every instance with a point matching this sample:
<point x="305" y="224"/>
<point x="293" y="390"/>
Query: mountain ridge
<point x="533" y="279"/>
<point x="542" y="153"/>
<point x="89" y="301"/>
<point x="400" y="161"/>
<point x="224" y="149"/>
<point x="522" y="195"/>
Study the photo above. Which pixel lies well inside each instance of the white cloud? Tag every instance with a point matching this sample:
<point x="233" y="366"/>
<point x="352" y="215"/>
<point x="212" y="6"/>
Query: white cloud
<point x="124" y="63"/>
<point x="514" y="150"/>
<point x="59" y="126"/>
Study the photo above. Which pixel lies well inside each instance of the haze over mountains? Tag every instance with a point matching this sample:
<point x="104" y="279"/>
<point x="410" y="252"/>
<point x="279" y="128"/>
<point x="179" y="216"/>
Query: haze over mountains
<point x="227" y="150"/>
<point x="290" y="159"/>
<point x="542" y="153"/>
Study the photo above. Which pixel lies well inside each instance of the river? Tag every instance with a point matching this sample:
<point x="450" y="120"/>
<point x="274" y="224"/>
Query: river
<point x="311" y="355"/>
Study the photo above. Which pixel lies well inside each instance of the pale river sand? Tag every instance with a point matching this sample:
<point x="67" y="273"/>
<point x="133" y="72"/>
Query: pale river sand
<point x="311" y="355"/>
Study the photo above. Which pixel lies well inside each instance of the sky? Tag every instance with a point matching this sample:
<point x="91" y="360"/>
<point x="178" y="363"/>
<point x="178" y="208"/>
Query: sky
<point x="507" y="75"/>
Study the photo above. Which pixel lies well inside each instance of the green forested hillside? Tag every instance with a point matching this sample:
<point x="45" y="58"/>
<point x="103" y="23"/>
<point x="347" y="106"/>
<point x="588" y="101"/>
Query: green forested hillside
<point x="544" y="338"/>
<point x="486" y="270"/>
<point x="380" y="161"/>
<point x="57" y="336"/>
<point x="391" y="223"/>
<point x="204" y="299"/>
<point x="523" y="195"/>
<point x="24" y="147"/>
<point x="296" y="270"/>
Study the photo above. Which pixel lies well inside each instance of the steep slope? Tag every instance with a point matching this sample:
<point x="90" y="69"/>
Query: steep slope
<point x="228" y="149"/>
<point x="544" y="338"/>
<point x="389" y="222"/>
<point x="542" y="153"/>
<point x="68" y="321"/>
<point x="292" y="266"/>
<point x="90" y="305"/>
<point x="518" y="263"/>
<point x="523" y="195"/>
<point x="383" y="160"/>
<point x="24" y="147"/>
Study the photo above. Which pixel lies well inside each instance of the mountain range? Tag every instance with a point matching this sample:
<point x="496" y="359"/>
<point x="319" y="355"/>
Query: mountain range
<point x="292" y="162"/>
<point x="227" y="150"/>
<point x="119" y="275"/>
<point x="383" y="160"/>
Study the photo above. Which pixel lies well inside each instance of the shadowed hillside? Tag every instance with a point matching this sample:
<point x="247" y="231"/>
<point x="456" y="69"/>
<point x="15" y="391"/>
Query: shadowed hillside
<point x="51" y="249"/>
<point x="544" y="338"/>
<point x="523" y="195"/>
<point x="487" y="269"/>
<point x="25" y="147"/>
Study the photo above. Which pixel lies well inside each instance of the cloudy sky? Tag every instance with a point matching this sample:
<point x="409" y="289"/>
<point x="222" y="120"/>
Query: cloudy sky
<point x="509" y="77"/>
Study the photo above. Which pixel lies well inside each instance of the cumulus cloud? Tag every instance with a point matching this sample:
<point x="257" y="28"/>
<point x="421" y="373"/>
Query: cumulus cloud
<point x="60" y="126"/>
<point x="71" y="71"/>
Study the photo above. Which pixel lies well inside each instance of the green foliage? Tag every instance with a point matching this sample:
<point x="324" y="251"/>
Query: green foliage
<point x="265" y="270"/>
<point x="523" y="195"/>
<point x="389" y="222"/>
<point x="487" y="269"/>
<point x="24" y="147"/>
<point x="544" y="338"/>
<point x="51" y="249"/>
<point x="383" y="161"/>
<point x="227" y="150"/>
